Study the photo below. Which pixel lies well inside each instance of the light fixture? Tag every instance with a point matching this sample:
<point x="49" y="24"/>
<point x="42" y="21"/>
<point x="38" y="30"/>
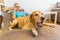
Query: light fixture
<point x="1" y="1"/>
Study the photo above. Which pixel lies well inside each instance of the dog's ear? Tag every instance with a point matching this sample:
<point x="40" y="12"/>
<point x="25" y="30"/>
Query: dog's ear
<point x="32" y="19"/>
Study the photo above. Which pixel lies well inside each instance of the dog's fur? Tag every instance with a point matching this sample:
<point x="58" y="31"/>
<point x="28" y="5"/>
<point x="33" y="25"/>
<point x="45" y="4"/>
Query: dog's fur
<point x="29" y="22"/>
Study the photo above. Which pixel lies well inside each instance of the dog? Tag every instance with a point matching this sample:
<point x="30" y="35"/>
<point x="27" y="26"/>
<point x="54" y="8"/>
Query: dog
<point x="31" y="22"/>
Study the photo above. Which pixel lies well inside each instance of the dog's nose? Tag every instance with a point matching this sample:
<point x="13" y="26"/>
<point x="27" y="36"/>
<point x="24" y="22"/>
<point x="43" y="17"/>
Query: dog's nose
<point x="42" y="19"/>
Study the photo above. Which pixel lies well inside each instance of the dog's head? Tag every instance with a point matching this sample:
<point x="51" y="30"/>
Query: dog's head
<point x="37" y="18"/>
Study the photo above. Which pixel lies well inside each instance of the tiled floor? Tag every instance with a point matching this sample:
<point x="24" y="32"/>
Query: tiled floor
<point x="45" y="33"/>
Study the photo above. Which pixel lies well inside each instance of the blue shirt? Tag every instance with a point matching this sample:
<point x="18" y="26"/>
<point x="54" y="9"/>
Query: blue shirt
<point x="19" y="14"/>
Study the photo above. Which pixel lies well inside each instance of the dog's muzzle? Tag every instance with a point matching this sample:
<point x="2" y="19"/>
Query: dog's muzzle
<point x="39" y="24"/>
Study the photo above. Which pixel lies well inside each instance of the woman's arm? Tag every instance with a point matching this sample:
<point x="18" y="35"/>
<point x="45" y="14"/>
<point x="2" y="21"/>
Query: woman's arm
<point x="13" y="16"/>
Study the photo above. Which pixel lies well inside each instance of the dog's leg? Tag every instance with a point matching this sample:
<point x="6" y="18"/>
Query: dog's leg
<point x="12" y="24"/>
<point x="10" y="28"/>
<point x="26" y="27"/>
<point x="49" y="24"/>
<point x="34" y="32"/>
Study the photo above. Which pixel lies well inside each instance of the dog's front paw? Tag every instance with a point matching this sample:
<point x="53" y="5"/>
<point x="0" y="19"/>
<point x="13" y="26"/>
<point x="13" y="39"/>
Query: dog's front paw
<point x="10" y="23"/>
<point x="35" y="33"/>
<point x="10" y="28"/>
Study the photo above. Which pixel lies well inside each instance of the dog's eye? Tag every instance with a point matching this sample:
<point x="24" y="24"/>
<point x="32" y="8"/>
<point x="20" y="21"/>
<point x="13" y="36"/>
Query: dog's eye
<point x="36" y="14"/>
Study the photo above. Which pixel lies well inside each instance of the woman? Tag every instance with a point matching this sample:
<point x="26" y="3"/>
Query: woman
<point x="18" y="11"/>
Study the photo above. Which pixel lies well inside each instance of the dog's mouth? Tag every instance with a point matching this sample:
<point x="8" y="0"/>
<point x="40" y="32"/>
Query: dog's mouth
<point x="39" y="24"/>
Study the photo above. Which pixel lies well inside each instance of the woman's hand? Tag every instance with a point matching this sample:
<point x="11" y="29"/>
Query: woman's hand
<point x="13" y="16"/>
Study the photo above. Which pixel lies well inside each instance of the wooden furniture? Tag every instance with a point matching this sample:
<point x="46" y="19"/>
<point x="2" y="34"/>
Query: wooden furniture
<point x="58" y="14"/>
<point x="56" y="9"/>
<point x="58" y="18"/>
<point x="48" y="14"/>
<point x="1" y="19"/>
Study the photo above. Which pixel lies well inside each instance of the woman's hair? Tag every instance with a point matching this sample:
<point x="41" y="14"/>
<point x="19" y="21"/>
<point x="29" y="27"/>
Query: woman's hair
<point x="16" y="4"/>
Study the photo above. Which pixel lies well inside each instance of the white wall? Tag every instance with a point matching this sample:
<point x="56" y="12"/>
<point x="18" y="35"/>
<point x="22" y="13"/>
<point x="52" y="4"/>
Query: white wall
<point x="30" y="5"/>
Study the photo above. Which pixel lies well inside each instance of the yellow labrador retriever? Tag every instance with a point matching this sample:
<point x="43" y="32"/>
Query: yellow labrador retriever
<point x="31" y="22"/>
